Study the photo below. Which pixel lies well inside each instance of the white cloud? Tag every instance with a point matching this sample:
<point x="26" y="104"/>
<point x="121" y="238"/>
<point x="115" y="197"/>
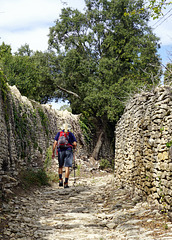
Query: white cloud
<point x="23" y="13"/>
<point x="36" y="38"/>
<point x="28" y="21"/>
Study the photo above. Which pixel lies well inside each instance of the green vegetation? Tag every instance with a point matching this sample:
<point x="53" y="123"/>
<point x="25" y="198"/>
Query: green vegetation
<point x="65" y="107"/>
<point x="103" y="62"/>
<point x="24" y="130"/>
<point x="44" y="119"/>
<point x="78" y="170"/>
<point x="3" y="86"/>
<point x="105" y="164"/>
<point x="85" y="130"/>
<point x="52" y="176"/>
<point x="168" y="74"/>
<point x="95" y="61"/>
<point x="45" y="176"/>
<point x="48" y="159"/>
<point x="169" y="144"/>
<point x="156" y="8"/>
<point x="4" y="91"/>
<point x="34" y="178"/>
<point x="32" y="72"/>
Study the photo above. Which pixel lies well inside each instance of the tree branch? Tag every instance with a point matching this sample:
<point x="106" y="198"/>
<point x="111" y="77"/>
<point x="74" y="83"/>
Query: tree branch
<point x="166" y="68"/>
<point x="67" y="91"/>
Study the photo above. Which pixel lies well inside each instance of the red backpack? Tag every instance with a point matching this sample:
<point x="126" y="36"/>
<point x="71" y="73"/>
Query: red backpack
<point x="63" y="140"/>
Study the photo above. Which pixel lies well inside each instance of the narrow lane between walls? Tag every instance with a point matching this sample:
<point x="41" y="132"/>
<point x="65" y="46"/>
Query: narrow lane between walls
<point x="95" y="208"/>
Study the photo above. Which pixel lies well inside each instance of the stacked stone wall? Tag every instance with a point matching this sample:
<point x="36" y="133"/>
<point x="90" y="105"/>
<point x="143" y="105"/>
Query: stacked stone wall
<point x="27" y="131"/>
<point x="143" y="155"/>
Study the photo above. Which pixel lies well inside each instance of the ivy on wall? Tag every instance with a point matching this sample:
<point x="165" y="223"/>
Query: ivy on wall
<point x="4" y="91"/>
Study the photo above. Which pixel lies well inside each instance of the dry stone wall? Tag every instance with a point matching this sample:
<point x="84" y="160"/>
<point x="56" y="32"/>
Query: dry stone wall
<point x="27" y="130"/>
<point x="143" y="155"/>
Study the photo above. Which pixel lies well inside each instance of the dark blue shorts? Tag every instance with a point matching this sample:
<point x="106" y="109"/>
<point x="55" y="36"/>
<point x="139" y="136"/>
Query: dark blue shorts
<point x="65" y="158"/>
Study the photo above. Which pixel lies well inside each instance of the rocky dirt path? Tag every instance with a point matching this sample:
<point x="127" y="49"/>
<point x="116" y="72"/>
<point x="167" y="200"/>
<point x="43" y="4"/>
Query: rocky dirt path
<point x="92" y="209"/>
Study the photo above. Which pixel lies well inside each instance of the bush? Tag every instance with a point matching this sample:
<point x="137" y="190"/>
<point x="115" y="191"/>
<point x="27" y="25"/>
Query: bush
<point x="104" y="164"/>
<point x="34" y="178"/>
<point x="53" y="177"/>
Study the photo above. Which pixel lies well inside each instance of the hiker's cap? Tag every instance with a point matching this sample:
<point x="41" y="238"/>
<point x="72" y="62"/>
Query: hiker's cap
<point x="66" y="127"/>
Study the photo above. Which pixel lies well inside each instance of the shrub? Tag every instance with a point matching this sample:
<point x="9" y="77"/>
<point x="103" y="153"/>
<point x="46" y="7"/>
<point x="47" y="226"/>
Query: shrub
<point x="52" y="176"/>
<point x="104" y="164"/>
<point x="34" y="178"/>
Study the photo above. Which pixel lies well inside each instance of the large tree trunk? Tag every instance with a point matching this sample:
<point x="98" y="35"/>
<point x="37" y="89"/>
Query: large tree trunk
<point x="98" y="146"/>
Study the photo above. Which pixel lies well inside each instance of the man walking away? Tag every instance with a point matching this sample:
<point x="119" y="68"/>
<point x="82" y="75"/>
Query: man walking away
<point x="65" y="142"/>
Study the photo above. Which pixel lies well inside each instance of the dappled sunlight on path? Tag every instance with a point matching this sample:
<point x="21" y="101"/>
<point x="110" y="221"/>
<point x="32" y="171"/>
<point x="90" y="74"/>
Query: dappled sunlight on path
<point x="93" y="209"/>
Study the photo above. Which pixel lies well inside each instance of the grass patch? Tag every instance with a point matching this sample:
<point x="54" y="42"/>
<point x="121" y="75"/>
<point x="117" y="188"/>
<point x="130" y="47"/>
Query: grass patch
<point x="52" y="176"/>
<point x="31" y="178"/>
<point x="105" y="164"/>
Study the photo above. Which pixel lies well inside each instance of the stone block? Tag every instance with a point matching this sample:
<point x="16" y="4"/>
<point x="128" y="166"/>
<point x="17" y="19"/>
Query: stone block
<point x="153" y="190"/>
<point x="164" y="182"/>
<point x="155" y="195"/>
<point x="165" y="155"/>
<point x="170" y="167"/>
<point x="160" y="156"/>
<point x="163" y="166"/>
<point x="170" y="152"/>
<point x="168" y="199"/>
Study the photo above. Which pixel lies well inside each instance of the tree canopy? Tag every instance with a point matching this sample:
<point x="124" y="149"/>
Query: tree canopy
<point x="157" y="7"/>
<point x="32" y="72"/>
<point x="104" y="55"/>
<point x="95" y="59"/>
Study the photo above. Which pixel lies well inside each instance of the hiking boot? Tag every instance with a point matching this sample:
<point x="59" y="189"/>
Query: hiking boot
<point x="66" y="185"/>
<point x="61" y="183"/>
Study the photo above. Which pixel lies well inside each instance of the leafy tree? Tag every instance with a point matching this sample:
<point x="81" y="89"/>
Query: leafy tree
<point x="157" y="7"/>
<point x="65" y="107"/>
<point x="104" y="55"/>
<point x="32" y="72"/>
<point x="24" y="51"/>
<point x="168" y="74"/>
<point x="5" y="55"/>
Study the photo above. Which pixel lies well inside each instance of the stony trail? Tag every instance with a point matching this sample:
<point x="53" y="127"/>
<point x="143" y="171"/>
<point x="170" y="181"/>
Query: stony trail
<point x="92" y="209"/>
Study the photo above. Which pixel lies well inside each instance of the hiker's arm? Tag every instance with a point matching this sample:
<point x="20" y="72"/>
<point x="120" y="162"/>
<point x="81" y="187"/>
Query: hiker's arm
<point x="54" y="147"/>
<point x="74" y="144"/>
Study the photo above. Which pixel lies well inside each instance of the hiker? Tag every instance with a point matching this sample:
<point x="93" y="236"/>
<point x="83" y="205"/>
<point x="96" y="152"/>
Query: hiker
<point x="65" y="142"/>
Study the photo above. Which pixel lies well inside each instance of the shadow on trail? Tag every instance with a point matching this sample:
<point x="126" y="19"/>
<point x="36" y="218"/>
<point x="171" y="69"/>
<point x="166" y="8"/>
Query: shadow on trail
<point x="93" y="209"/>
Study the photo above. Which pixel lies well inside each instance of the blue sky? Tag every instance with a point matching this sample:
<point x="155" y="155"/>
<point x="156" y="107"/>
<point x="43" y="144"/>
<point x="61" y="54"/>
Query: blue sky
<point x="28" y="21"/>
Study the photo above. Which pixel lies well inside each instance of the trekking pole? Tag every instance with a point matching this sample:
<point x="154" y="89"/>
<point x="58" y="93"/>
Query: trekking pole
<point x="74" y="168"/>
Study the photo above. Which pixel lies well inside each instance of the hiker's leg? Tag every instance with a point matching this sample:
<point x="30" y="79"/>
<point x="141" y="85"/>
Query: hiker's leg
<point x="67" y="165"/>
<point x="66" y="172"/>
<point x="60" y="172"/>
<point x="66" y="177"/>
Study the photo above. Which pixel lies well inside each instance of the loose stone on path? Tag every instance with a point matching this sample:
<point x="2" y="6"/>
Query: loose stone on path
<point x="93" y="209"/>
